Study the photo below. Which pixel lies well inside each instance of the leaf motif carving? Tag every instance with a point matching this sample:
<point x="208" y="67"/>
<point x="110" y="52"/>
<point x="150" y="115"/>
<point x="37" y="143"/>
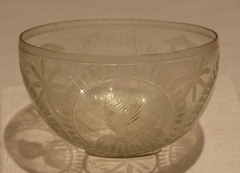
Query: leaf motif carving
<point x="121" y="111"/>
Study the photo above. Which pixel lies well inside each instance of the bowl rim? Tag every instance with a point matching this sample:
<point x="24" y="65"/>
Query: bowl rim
<point x="37" y="51"/>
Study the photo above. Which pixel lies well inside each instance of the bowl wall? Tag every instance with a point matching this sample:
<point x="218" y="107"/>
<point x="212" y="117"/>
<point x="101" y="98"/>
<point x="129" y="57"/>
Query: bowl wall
<point x="102" y="100"/>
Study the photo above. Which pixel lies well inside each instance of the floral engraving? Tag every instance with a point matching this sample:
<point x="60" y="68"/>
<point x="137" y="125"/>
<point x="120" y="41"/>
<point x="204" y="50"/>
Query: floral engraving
<point x="36" y="79"/>
<point x="205" y="94"/>
<point x="45" y="82"/>
<point x="194" y="78"/>
<point x="121" y="111"/>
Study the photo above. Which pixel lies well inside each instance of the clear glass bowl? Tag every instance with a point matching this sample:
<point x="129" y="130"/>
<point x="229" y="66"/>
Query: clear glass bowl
<point x="119" y="87"/>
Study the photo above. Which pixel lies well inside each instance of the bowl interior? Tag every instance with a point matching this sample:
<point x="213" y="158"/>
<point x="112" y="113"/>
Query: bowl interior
<point x="118" y="37"/>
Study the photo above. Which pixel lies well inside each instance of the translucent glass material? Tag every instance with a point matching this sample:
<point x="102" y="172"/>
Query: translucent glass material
<point x="120" y="87"/>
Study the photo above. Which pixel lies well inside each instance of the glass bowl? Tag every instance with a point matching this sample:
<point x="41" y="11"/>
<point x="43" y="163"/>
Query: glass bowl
<point x="119" y="87"/>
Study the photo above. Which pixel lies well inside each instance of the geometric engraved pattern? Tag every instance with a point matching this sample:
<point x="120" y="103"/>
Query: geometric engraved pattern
<point x="120" y="110"/>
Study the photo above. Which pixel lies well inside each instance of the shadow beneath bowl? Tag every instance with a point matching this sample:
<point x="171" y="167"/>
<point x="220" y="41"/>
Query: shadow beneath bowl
<point x="36" y="148"/>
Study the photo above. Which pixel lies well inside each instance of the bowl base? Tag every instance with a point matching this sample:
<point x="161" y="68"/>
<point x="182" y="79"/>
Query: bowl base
<point x="126" y="155"/>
